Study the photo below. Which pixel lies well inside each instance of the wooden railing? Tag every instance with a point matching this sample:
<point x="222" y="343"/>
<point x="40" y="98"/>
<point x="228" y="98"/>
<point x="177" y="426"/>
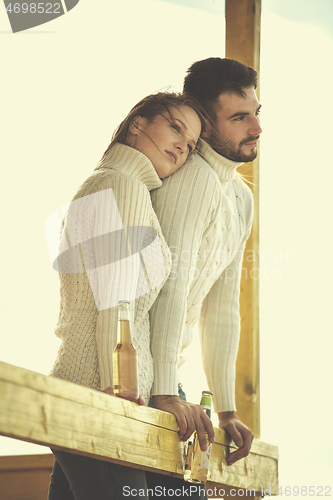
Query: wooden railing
<point x="66" y="416"/>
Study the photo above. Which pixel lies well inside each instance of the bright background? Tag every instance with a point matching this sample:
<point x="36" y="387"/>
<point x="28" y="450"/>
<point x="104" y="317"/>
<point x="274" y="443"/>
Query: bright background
<point x="67" y="85"/>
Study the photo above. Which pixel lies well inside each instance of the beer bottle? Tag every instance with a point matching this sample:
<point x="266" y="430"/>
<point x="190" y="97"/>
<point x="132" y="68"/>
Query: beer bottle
<point x="197" y="463"/>
<point x="125" y="358"/>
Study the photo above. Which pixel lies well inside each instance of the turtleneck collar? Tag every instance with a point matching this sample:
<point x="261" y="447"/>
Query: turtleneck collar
<point x="133" y="163"/>
<point x="225" y="168"/>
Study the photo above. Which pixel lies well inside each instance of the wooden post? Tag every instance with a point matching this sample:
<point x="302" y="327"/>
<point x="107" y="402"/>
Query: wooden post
<point x="243" y="45"/>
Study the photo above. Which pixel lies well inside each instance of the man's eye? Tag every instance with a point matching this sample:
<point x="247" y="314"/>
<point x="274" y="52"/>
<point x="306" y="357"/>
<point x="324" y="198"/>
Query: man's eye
<point x="239" y="118"/>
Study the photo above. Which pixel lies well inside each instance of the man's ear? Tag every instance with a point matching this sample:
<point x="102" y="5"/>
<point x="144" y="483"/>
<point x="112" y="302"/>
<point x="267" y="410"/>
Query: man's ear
<point x="206" y="130"/>
<point x="135" y="125"/>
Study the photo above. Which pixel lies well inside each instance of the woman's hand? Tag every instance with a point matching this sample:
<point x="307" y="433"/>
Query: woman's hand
<point x="140" y="401"/>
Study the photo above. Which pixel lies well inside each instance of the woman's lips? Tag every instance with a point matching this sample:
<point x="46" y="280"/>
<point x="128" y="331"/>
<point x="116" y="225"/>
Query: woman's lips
<point x="172" y="156"/>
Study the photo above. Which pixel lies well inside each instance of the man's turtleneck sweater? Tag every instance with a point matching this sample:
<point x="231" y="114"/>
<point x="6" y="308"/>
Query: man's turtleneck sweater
<point x="205" y="211"/>
<point x="86" y="325"/>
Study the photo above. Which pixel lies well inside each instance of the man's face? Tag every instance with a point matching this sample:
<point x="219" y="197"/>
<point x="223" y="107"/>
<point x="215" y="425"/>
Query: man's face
<point x="237" y="121"/>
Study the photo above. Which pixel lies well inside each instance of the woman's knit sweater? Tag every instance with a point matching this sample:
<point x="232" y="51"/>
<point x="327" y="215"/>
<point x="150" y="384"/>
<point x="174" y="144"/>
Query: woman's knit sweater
<point x="87" y="323"/>
<point x="205" y="211"/>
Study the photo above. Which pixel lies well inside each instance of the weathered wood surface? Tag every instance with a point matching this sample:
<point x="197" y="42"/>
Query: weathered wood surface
<point x="62" y="415"/>
<point x="243" y="18"/>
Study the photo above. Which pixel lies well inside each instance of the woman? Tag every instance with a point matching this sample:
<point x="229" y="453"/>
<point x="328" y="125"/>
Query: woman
<point x="96" y="272"/>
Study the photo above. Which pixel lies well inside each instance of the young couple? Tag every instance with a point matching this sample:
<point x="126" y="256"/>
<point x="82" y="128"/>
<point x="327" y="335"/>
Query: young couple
<point x="202" y="210"/>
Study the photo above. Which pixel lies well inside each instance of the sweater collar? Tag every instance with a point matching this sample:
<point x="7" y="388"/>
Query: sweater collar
<point x="225" y="168"/>
<point x="133" y="163"/>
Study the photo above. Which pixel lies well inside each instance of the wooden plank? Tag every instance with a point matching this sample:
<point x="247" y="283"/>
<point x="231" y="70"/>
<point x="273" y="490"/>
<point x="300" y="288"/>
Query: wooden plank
<point x="62" y="415"/>
<point x="73" y="392"/>
<point x="26" y="462"/>
<point x="25" y="485"/>
<point x="25" y="477"/>
<point x="243" y="44"/>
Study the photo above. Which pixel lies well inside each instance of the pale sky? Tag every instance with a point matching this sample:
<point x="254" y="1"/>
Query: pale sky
<point x="68" y="85"/>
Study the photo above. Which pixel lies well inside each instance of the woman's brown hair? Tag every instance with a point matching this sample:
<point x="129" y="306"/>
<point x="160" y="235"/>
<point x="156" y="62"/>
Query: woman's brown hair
<point x="150" y="107"/>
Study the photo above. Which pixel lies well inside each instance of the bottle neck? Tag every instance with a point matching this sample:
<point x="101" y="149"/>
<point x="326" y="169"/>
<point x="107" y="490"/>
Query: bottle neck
<point x="124" y="335"/>
<point x="206" y="403"/>
<point x="124" y="311"/>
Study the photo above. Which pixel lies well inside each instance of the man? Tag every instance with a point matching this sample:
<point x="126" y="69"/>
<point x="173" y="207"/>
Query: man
<point x="205" y="211"/>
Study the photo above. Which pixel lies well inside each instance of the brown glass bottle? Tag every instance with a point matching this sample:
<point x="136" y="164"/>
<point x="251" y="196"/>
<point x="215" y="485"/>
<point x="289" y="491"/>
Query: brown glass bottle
<point x="125" y="358"/>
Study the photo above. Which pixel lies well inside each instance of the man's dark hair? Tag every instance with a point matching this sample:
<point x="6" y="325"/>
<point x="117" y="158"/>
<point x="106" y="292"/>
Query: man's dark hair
<point x="207" y="79"/>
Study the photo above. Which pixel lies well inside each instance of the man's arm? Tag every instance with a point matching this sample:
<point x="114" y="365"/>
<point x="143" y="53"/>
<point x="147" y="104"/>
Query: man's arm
<point x="219" y="337"/>
<point x="184" y="206"/>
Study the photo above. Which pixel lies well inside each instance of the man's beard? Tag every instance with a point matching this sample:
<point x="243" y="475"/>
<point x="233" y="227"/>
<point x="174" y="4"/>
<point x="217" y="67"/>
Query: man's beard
<point x="234" y="153"/>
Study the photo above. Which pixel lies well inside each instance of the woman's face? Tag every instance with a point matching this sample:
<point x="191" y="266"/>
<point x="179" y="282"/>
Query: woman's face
<point x="167" y="140"/>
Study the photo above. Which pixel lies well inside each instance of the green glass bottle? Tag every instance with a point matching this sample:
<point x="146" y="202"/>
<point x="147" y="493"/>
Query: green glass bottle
<point x="197" y="461"/>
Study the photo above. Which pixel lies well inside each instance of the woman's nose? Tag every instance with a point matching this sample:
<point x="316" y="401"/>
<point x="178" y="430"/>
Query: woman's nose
<point x="181" y="144"/>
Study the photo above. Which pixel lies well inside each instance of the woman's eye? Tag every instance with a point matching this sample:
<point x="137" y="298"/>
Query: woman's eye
<point x="190" y="149"/>
<point x="176" y="127"/>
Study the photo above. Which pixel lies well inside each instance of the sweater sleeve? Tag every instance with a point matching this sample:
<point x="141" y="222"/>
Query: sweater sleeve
<point x="183" y="205"/>
<point x="219" y="330"/>
<point x="122" y="203"/>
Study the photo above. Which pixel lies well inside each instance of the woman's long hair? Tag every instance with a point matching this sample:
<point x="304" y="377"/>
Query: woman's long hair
<point x="152" y="106"/>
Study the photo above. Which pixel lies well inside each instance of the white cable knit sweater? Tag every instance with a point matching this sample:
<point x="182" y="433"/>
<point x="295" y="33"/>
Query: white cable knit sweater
<point x="205" y="211"/>
<point x="88" y="328"/>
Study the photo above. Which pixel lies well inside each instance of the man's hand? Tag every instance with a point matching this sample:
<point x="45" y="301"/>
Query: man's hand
<point x="239" y="433"/>
<point x="109" y="390"/>
<point x="190" y="417"/>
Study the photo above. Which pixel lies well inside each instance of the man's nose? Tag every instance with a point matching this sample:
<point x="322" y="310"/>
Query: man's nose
<point x="255" y="128"/>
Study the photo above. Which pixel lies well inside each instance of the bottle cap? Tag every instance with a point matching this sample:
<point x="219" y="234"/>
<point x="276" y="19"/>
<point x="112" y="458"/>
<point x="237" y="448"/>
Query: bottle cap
<point x="123" y="303"/>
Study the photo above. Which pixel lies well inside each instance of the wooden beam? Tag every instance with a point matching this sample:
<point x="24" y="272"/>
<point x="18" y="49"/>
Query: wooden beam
<point x="243" y="44"/>
<point x="25" y="477"/>
<point x="66" y="416"/>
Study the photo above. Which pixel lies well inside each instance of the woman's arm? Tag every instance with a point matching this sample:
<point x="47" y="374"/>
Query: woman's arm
<point x="123" y="203"/>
